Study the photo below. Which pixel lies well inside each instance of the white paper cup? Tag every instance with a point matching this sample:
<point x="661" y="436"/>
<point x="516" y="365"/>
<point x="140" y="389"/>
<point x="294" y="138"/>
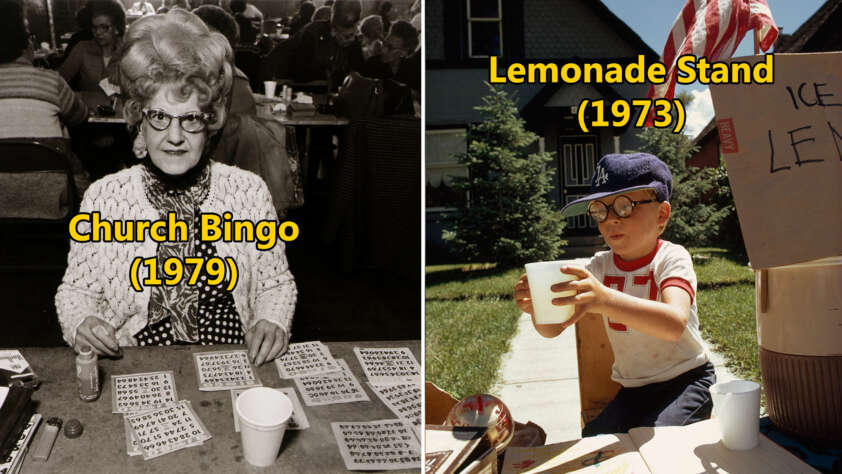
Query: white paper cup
<point x="543" y="275"/>
<point x="263" y="413"/>
<point x="269" y="87"/>
<point x="736" y="406"/>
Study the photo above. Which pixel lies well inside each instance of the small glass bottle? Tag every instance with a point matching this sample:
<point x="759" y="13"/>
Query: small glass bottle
<point x="87" y="374"/>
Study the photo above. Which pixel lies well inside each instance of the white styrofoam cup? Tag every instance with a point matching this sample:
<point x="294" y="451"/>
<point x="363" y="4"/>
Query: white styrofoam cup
<point x="263" y="413"/>
<point x="543" y="275"/>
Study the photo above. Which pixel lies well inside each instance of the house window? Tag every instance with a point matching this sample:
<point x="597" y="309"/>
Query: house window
<point x="441" y="146"/>
<point x="485" y="28"/>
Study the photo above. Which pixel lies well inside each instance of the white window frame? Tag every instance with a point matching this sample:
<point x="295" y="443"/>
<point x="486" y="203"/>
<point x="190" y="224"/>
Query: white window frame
<point x="445" y="165"/>
<point x="498" y="19"/>
<point x="571" y="168"/>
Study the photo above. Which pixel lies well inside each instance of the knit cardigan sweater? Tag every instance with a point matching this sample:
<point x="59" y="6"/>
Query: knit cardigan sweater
<point x="97" y="281"/>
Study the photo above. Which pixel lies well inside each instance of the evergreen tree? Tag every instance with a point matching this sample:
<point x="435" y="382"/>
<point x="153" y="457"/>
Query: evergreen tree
<point x="698" y="210"/>
<point x="508" y="218"/>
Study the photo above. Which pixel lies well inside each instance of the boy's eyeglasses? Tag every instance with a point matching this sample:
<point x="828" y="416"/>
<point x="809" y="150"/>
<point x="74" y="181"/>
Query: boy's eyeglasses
<point x="192" y="122"/>
<point x="101" y="28"/>
<point x="622" y="205"/>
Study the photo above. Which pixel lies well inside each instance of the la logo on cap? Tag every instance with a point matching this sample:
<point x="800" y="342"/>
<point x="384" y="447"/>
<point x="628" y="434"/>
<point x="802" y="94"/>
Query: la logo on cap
<point x="601" y="177"/>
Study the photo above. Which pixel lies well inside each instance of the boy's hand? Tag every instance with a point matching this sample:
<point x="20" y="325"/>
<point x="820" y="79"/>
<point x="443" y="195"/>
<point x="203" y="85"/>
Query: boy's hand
<point x="590" y="297"/>
<point x="523" y="297"/>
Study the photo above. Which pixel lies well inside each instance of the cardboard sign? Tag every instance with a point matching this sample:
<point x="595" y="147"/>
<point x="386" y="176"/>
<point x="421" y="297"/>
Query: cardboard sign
<point x="782" y="144"/>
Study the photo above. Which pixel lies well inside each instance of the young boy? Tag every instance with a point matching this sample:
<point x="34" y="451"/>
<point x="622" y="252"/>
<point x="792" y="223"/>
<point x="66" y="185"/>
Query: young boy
<point x="645" y="289"/>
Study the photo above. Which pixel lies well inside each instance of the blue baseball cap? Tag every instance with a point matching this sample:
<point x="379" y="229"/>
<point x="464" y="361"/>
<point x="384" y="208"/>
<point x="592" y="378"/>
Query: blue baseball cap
<point x="619" y="174"/>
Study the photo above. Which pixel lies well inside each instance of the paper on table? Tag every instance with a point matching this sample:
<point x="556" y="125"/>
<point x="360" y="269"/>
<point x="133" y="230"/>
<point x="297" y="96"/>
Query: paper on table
<point x="168" y="429"/>
<point x="109" y="88"/>
<point x="13" y="361"/>
<point x="404" y="400"/>
<point x="334" y="387"/>
<point x="604" y="453"/>
<point x="224" y="370"/>
<point x="389" y="366"/>
<point x="697" y="448"/>
<point x="141" y="392"/>
<point x="132" y="444"/>
<point x="377" y="445"/>
<point x="298" y="420"/>
<point x="305" y="358"/>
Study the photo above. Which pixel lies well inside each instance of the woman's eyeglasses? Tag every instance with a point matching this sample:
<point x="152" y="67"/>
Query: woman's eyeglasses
<point x="622" y="205"/>
<point x="192" y="122"/>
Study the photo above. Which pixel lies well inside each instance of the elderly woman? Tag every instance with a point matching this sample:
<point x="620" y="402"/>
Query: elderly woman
<point x="176" y="75"/>
<point x="88" y="62"/>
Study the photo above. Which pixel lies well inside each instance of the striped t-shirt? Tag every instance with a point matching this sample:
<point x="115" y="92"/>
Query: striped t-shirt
<point x="36" y="102"/>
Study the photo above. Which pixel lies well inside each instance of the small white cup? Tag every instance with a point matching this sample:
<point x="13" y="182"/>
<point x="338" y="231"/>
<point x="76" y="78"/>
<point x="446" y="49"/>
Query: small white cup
<point x="736" y="406"/>
<point x="543" y="275"/>
<point x="263" y="413"/>
<point x="269" y="87"/>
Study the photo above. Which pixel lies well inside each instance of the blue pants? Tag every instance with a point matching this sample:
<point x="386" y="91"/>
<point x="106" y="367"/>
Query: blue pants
<point x="680" y="401"/>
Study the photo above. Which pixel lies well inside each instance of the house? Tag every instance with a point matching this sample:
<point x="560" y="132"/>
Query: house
<point x="820" y="33"/>
<point x="460" y="37"/>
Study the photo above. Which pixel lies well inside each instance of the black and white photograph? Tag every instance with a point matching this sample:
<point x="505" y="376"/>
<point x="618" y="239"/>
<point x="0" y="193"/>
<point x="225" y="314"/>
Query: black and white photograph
<point x="188" y="188"/>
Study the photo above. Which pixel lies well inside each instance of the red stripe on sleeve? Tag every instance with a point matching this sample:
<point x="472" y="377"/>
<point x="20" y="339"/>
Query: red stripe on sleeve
<point x="681" y="283"/>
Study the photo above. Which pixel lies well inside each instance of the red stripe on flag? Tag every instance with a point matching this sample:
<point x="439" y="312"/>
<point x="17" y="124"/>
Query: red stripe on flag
<point x="739" y="19"/>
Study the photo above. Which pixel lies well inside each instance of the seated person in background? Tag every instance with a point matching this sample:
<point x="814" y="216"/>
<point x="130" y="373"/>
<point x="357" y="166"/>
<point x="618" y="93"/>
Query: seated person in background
<point x="398" y="60"/>
<point x="250" y="22"/>
<point x="88" y="62"/>
<point x="83" y="22"/>
<point x="644" y="290"/>
<point x="321" y="14"/>
<point x="217" y="19"/>
<point x="237" y="7"/>
<point x="329" y="50"/>
<point x="176" y="76"/>
<point x="141" y="8"/>
<point x="371" y="36"/>
<point x="168" y="5"/>
<point x="34" y="102"/>
<point x="388" y="13"/>
<point x="304" y="15"/>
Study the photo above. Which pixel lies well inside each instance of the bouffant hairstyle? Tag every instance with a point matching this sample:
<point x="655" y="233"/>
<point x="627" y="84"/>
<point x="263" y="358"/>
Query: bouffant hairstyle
<point x="175" y="48"/>
<point x="14" y="37"/>
<point x="220" y="20"/>
<point x="406" y="32"/>
<point x="110" y="8"/>
<point x="372" y="27"/>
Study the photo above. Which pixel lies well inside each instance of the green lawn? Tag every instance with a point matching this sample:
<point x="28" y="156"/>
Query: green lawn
<point x="471" y="317"/>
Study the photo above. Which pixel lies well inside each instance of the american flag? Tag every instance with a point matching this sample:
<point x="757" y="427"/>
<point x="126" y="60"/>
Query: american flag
<point x="714" y="29"/>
